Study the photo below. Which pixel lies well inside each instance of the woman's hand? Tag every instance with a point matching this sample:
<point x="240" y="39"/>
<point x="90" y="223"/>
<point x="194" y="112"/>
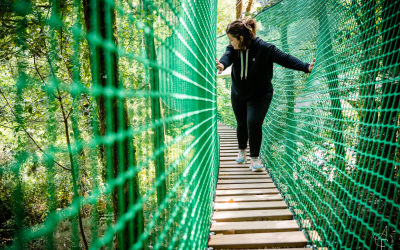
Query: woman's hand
<point x="310" y="68"/>
<point x="220" y="66"/>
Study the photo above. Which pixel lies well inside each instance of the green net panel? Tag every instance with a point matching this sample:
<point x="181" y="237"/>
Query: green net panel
<point x="331" y="138"/>
<point x="107" y="124"/>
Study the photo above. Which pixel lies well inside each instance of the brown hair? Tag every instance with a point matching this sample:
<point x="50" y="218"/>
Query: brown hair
<point x="245" y="28"/>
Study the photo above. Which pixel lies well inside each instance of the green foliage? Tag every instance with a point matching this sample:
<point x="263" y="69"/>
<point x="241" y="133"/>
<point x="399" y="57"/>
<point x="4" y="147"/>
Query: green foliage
<point x="60" y="190"/>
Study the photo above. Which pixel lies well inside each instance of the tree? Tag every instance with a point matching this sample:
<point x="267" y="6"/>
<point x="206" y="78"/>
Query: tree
<point x="239" y="7"/>
<point x="113" y="117"/>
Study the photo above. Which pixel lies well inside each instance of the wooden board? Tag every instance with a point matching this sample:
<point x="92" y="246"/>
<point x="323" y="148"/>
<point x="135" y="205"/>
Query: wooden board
<point x="266" y="180"/>
<point x="239" y="169"/>
<point x="245" y="186"/>
<point x="249" y="205"/>
<point x="248" y="198"/>
<point x="278" y="239"/>
<point x="234" y="177"/>
<point x="244" y="173"/>
<point x="254" y="227"/>
<point x="230" y="158"/>
<point x="250" y="215"/>
<point x="233" y="165"/>
<point x="247" y="191"/>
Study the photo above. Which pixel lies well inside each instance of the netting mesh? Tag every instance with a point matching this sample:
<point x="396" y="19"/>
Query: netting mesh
<point x="331" y="138"/>
<point x="109" y="124"/>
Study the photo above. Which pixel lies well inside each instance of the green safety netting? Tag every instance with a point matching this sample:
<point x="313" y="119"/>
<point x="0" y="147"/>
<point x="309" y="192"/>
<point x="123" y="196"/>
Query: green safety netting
<point x="331" y="138"/>
<point x="108" y="123"/>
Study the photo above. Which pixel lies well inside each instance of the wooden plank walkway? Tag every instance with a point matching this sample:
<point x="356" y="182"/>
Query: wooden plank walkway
<point x="249" y="212"/>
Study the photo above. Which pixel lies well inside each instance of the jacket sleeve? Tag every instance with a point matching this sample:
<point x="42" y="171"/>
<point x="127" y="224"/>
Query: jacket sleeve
<point x="288" y="61"/>
<point x="226" y="59"/>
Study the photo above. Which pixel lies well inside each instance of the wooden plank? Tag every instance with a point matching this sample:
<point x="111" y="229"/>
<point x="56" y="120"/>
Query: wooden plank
<point x="249" y="205"/>
<point x="231" y="166"/>
<point x="314" y="236"/>
<point x="235" y="165"/>
<point x="254" y="227"/>
<point x="245" y="186"/>
<point x="230" y="158"/>
<point x="233" y="177"/>
<point x="247" y="191"/>
<point x="231" y="150"/>
<point x="266" y="180"/>
<point x="239" y="169"/>
<point x="251" y="215"/>
<point x="263" y="173"/>
<point x="231" y="154"/>
<point x="248" y="198"/>
<point x="225" y="167"/>
<point x="277" y="239"/>
<point x="292" y="248"/>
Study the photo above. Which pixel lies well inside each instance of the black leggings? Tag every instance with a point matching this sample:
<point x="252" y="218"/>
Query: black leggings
<point x="250" y="115"/>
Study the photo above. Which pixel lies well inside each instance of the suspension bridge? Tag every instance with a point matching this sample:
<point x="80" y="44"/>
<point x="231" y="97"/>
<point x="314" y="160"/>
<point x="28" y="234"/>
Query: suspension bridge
<point x="117" y="132"/>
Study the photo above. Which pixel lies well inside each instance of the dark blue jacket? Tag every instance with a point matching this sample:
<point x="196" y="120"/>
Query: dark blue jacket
<point x="252" y="69"/>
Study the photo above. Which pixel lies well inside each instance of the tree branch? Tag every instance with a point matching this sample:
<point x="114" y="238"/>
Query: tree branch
<point x="38" y="72"/>
<point x="29" y="135"/>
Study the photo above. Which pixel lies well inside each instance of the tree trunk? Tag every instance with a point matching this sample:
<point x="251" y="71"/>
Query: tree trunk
<point x="291" y="124"/>
<point x="113" y="118"/>
<point x="249" y="5"/>
<point x="389" y="115"/>
<point x="367" y="91"/>
<point x="156" y="104"/>
<point x="239" y="7"/>
<point x="325" y="44"/>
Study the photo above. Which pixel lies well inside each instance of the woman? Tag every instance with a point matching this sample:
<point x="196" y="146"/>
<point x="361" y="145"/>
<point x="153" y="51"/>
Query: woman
<point x="251" y="93"/>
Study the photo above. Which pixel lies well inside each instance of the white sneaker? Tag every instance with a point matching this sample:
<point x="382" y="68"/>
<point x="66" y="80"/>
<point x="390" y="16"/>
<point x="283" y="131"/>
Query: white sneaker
<point x="256" y="165"/>
<point x="241" y="157"/>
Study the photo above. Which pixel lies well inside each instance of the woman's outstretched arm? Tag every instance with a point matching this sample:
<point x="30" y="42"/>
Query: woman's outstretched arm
<point x="290" y="62"/>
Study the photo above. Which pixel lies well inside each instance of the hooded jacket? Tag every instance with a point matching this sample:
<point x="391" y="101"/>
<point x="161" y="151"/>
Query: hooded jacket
<point x="252" y="69"/>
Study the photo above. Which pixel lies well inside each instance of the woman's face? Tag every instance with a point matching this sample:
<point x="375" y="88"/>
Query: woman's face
<point x="234" y="42"/>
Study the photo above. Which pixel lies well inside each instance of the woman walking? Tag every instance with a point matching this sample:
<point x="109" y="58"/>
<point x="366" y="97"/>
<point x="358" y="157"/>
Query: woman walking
<point x="251" y="92"/>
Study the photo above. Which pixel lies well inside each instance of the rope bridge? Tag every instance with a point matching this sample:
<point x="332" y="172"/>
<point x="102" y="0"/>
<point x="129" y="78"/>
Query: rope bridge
<point x="109" y="122"/>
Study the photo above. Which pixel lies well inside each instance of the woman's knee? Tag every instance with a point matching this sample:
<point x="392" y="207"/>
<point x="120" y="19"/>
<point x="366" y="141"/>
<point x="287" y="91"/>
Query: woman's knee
<point x="254" y="123"/>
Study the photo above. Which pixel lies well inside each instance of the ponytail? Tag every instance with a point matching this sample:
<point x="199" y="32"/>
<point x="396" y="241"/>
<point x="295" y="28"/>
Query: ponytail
<point x="245" y="28"/>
